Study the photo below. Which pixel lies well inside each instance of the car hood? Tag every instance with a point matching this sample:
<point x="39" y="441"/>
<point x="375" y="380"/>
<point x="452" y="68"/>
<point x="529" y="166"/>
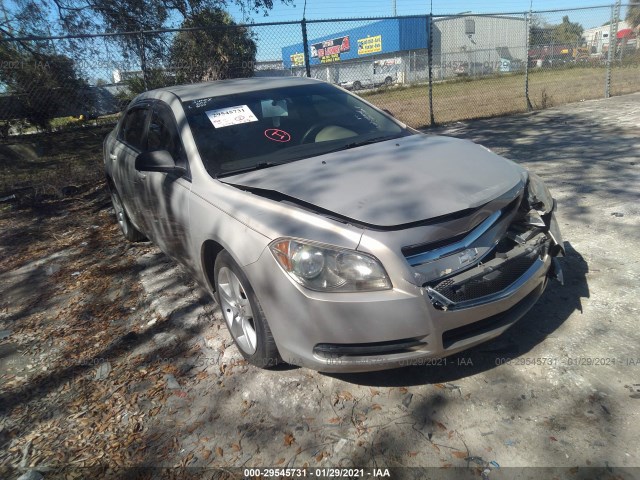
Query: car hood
<point x="391" y="183"/>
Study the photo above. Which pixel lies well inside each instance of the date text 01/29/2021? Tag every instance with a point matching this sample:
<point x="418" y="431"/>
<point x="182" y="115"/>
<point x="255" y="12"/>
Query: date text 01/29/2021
<point x="255" y="473"/>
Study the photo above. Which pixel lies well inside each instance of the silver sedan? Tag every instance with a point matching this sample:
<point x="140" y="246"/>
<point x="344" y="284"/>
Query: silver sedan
<point x="331" y="234"/>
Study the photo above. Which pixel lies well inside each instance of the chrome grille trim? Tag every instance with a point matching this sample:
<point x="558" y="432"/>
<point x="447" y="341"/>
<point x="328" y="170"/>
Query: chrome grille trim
<point x="459" y="246"/>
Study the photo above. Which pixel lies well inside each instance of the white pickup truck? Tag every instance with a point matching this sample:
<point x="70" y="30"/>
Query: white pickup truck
<point x="369" y="74"/>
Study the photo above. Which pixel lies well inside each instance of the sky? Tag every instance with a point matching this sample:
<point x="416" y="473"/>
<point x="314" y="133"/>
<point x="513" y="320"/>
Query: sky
<point x="271" y="39"/>
<point x="322" y="9"/>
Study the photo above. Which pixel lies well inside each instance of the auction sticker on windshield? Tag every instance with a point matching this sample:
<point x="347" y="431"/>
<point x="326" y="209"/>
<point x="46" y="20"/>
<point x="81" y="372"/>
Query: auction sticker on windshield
<point x="225" y="117"/>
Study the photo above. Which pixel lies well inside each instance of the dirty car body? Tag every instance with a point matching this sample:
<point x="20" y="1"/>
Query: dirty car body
<point x="332" y="235"/>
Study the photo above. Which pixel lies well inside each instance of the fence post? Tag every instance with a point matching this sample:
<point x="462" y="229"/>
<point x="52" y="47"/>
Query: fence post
<point x="527" y="23"/>
<point x="432" y="119"/>
<point x="305" y="47"/>
<point x="611" y="51"/>
<point x="143" y="60"/>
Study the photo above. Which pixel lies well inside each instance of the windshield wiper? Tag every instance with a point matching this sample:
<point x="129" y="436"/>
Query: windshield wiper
<point x="257" y="166"/>
<point x="363" y="142"/>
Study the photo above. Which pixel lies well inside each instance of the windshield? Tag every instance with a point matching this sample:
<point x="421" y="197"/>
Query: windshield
<point x="258" y="129"/>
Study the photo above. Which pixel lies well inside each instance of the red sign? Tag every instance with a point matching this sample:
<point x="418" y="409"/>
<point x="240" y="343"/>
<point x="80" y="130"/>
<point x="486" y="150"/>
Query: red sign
<point x="277" y="135"/>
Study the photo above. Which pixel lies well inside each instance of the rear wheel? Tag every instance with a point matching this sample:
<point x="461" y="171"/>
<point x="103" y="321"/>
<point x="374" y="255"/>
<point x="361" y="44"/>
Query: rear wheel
<point x="130" y="232"/>
<point x="357" y="85"/>
<point x="388" y="81"/>
<point x="243" y="314"/>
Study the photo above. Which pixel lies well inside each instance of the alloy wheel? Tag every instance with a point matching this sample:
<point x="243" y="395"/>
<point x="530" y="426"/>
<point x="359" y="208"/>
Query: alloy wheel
<point x="237" y="310"/>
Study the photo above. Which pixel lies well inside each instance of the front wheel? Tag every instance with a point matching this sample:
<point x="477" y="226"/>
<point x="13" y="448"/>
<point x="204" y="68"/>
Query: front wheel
<point x="243" y="314"/>
<point x="388" y="81"/>
<point x="130" y="232"/>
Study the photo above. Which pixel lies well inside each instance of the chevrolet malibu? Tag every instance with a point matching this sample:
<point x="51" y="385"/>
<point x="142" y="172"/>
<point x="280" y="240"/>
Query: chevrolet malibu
<point x="331" y="235"/>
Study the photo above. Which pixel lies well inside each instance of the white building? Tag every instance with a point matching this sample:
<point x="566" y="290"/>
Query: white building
<point x="481" y="44"/>
<point x="597" y="38"/>
<point x="120" y="76"/>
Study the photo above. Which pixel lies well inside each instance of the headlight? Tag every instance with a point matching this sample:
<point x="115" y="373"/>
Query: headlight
<point x="329" y="269"/>
<point x="538" y="196"/>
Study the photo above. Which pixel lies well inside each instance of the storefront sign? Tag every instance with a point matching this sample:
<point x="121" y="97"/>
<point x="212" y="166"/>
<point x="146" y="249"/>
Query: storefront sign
<point x="369" y="45"/>
<point x="297" y="59"/>
<point x="330" y="58"/>
<point x="330" y="48"/>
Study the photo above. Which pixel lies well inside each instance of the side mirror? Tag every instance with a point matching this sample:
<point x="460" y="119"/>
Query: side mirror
<point x="158" y="161"/>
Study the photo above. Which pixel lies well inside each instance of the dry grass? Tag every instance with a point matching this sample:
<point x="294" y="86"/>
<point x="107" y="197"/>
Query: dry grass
<point x="44" y="165"/>
<point x="504" y="94"/>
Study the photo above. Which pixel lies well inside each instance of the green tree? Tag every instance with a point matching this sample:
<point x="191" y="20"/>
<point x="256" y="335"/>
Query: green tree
<point x="33" y="17"/>
<point x="44" y="85"/>
<point x="567" y="32"/>
<point x="154" y="78"/>
<point x="220" y="50"/>
<point x="539" y="31"/>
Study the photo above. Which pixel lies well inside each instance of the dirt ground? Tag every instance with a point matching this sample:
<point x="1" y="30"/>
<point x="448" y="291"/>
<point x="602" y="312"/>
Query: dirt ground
<point x="112" y="358"/>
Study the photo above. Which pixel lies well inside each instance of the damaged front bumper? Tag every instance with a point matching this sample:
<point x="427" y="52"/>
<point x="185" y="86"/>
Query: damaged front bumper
<point x="508" y="257"/>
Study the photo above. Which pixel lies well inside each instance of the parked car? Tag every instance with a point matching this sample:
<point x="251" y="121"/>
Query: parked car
<point x="332" y="235"/>
<point x="474" y="69"/>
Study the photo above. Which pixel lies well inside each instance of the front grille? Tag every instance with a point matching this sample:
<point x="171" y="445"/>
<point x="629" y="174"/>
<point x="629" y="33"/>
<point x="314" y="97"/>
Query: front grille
<point x="490" y="280"/>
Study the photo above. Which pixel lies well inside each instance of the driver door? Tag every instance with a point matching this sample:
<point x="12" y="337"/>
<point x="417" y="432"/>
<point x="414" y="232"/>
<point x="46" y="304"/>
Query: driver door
<point x="165" y="195"/>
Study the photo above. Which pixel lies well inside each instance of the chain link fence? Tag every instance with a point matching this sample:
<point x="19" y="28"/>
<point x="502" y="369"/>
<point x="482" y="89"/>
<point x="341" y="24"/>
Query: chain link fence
<point x="569" y="62"/>
<point x="479" y="65"/>
<point x="423" y="69"/>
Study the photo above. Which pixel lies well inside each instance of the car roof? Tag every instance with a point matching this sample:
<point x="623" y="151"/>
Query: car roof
<point x="229" y="87"/>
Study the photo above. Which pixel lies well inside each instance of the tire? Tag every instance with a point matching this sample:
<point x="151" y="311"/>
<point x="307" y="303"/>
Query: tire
<point x="243" y="314"/>
<point x="357" y="85"/>
<point x="388" y="81"/>
<point x="130" y="232"/>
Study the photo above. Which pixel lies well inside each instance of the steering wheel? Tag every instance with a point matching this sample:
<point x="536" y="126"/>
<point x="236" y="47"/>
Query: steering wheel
<point x="310" y="134"/>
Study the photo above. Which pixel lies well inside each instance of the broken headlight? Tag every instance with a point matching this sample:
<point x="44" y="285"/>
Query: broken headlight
<point x="330" y="269"/>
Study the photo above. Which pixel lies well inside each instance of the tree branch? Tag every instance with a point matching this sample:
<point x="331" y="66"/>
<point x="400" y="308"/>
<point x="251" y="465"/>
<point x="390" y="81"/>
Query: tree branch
<point x="20" y="42"/>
